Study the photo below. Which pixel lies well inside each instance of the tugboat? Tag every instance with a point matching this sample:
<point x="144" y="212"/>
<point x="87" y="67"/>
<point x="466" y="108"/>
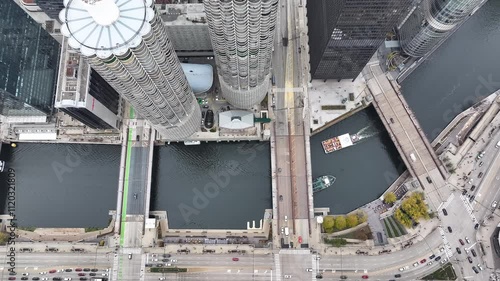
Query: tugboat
<point x="323" y="182"/>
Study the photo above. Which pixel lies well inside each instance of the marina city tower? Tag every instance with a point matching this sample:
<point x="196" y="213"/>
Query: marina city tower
<point x="126" y="43"/>
<point x="242" y="34"/>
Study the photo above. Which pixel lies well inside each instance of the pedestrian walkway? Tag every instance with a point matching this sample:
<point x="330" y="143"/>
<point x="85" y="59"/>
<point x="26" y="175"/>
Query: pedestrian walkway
<point x="374" y="222"/>
<point x="277" y="267"/>
<point x="469" y="208"/>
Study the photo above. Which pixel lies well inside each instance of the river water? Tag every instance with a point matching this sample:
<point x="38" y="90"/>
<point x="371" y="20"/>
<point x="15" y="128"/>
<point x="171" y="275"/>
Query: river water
<point x="458" y="74"/>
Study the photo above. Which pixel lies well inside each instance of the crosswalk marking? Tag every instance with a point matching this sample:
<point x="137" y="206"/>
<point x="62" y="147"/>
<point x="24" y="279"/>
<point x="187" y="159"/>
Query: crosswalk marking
<point x="277" y="266"/>
<point x="468" y="207"/>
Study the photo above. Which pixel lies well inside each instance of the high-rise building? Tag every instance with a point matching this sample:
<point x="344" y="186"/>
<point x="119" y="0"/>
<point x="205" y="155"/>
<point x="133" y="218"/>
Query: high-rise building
<point x="432" y="22"/>
<point x="28" y="65"/>
<point x="126" y="42"/>
<point x="344" y="34"/>
<point x="83" y="94"/>
<point x="51" y="7"/>
<point x="242" y="34"/>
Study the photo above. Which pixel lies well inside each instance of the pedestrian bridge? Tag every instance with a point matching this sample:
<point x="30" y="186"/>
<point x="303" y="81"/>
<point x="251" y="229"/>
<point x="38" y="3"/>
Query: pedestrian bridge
<point x="404" y="130"/>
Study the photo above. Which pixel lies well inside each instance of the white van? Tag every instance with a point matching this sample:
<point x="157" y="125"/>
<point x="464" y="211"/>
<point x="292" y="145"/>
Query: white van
<point x="287" y="231"/>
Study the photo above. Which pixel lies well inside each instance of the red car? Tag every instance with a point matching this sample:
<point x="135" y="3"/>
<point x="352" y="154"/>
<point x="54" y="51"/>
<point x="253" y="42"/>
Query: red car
<point x="423" y="261"/>
<point x="78" y="269"/>
<point x="236" y="259"/>
<point x="53" y="271"/>
<point x="300" y="239"/>
<point x="81" y="274"/>
<point x="461" y="241"/>
<point x="12" y="278"/>
<point x="364" y="276"/>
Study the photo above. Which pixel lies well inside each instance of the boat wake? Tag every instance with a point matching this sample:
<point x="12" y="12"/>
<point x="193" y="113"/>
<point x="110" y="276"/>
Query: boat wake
<point x="367" y="132"/>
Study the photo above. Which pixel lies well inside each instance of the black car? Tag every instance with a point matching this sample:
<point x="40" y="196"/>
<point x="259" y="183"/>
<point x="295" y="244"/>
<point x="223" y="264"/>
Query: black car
<point x="473" y="252"/>
<point x="437" y="259"/>
<point x="68" y="270"/>
<point x="86" y="269"/>
<point x="94" y="270"/>
<point x="203" y="114"/>
<point x="458" y="250"/>
<point x="397" y="275"/>
<point x="431" y="257"/>
<point x="472" y="198"/>
<point x="469" y="259"/>
<point x="476" y="226"/>
<point x="166" y="255"/>
<point x="12" y="273"/>
<point x="209" y="119"/>
<point x="57" y="278"/>
<point x="35" y="278"/>
<point x="475" y="270"/>
<point x="472" y="188"/>
<point x="92" y="274"/>
<point x="464" y="192"/>
<point x="205" y="106"/>
<point x="165" y="260"/>
<point x="445" y="212"/>
<point x="83" y="278"/>
<point x="449" y="229"/>
<point x="480" y="175"/>
<point x="24" y="278"/>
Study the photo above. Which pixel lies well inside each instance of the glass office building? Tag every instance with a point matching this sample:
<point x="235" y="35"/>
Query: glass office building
<point x="51" y="7"/>
<point x="344" y="34"/>
<point x="28" y="64"/>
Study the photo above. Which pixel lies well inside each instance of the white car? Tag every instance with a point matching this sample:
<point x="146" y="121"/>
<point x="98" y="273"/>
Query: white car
<point x="288" y="276"/>
<point x="441" y="249"/>
<point x="479" y="266"/>
<point x="415" y="264"/>
<point x="67" y="278"/>
<point x="429" y="263"/>
<point x="44" y="278"/>
<point x="104" y="274"/>
<point x="161" y="278"/>
<point x="470" y="181"/>
<point x="26" y="274"/>
<point x="43" y="272"/>
<point x="155" y="259"/>
<point x="172" y="261"/>
<point x="443" y="261"/>
<point x="402" y="269"/>
<point x="494" y="205"/>
<point x="168" y="264"/>
<point x="309" y="269"/>
<point x="467" y="240"/>
<point x="407" y="267"/>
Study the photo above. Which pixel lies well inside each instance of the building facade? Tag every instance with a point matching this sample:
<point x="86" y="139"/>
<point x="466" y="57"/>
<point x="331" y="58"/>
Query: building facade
<point x="28" y="65"/>
<point x="431" y="23"/>
<point x="51" y="7"/>
<point x="242" y="34"/>
<point x="133" y="53"/>
<point x="83" y="94"/>
<point x="344" y="34"/>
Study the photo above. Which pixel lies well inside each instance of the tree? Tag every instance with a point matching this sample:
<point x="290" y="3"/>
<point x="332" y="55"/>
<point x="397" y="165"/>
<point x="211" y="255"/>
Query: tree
<point x="390" y="198"/>
<point x="340" y="222"/>
<point x="362" y="217"/>
<point x="403" y="218"/>
<point x="352" y="220"/>
<point x="328" y="223"/>
<point x="3" y="238"/>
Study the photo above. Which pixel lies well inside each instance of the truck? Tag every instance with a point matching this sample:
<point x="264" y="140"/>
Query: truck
<point x="287" y="231"/>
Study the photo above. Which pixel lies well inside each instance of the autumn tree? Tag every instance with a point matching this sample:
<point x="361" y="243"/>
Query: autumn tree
<point x="352" y="220"/>
<point x="390" y="198"/>
<point x="340" y="223"/>
<point x="328" y="223"/>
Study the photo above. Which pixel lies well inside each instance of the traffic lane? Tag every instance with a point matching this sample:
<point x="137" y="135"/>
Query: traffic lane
<point x="137" y="180"/>
<point x="225" y="261"/>
<point x="221" y="275"/>
<point x="396" y="259"/>
<point x="63" y="260"/>
<point x="296" y="265"/>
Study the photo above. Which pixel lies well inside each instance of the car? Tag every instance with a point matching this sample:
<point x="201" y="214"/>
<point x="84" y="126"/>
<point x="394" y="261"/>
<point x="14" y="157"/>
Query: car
<point x="343" y="277"/>
<point x="26" y="274"/>
<point x="480" y="174"/>
<point x="364" y="276"/>
<point x="166" y="255"/>
<point x="287" y="276"/>
<point x="281" y="197"/>
<point x="24" y="278"/>
<point x="464" y="192"/>
<point x="479" y="266"/>
<point x="473" y="252"/>
<point x="168" y="264"/>
<point x="472" y="198"/>
<point x="52" y="271"/>
<point x="12" y="278"/>
<point x="309" y="269"/>
<point x="445" y="212"/>
<point x="57" y="279"/>
<point x="104" y="274"/>
<point x="441" y="249"/>
<point x="43" y="272"/>
<point x="68" y="270"/>
<point x="470" y="181"/>
<point x="45" y="278"/>
<point x="83" y="278"/>
<point x="159" y="265"/>
<point x="35" y="278"/>
<point x="423" y="261"/>
<point x="449" y="229"/>
<point x="78" y="269"/>
<point x="467" y="240"/>
<point x="130" y="256"/>
<point x="161" y="278"/>
<point x="475" y="270"/>
<point x="12" y="273"/>
<point x="431" y="257"/>
<point x="429" y="263"/>
<point x="165" y="260"/>
<point x="318" y="258"/>
<point x="466" y="250"/>
<point x="415" y="264"/>
<point x="458" y="250"/>
<point x="319" y="276"/>
<point x="135" y="195"/>
<point x="461" y="242"/>
<point x="437" y="258"/>
<point x="481" y="163"/>
<point x="472" y="188"/>
<point x="397" y="275"/>
<point x="236" y="259"/>
<point x="205" y="106"/>
<point x="155" y="259"/>
<point x="86" y="269"/>
<point x="173" y="260"/>
<point x="443" y="261"/>
<point x="469" y="259"/>
<point x="209" y="119"/>
<point x="81" y="274"/>
<point x="300" y="240"/>
<point x="94" y="270"/>
<point x="401" y="269"/>
<point x="67" y="278"/>
<point x="476" y="226"/>
<point x="494" y="204"/>
<point x="92" y="274"/>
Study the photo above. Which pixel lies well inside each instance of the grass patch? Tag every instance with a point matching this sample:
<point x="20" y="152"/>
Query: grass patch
<point x="401" y="228"/>
<point x="363" y="233"/>
<point x="27" y="228"/>
<point x="336" y="242"/>
<point x="388" y="229"/>
<point x="394" y="228"/>
<point x="333" y="107"/>
<point x="90" y="229"/>
<point x="168" y="269"/>
<point x="444" y="273"/>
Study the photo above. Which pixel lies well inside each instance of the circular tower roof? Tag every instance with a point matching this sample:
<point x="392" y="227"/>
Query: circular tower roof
<point x="105" y="27"/>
